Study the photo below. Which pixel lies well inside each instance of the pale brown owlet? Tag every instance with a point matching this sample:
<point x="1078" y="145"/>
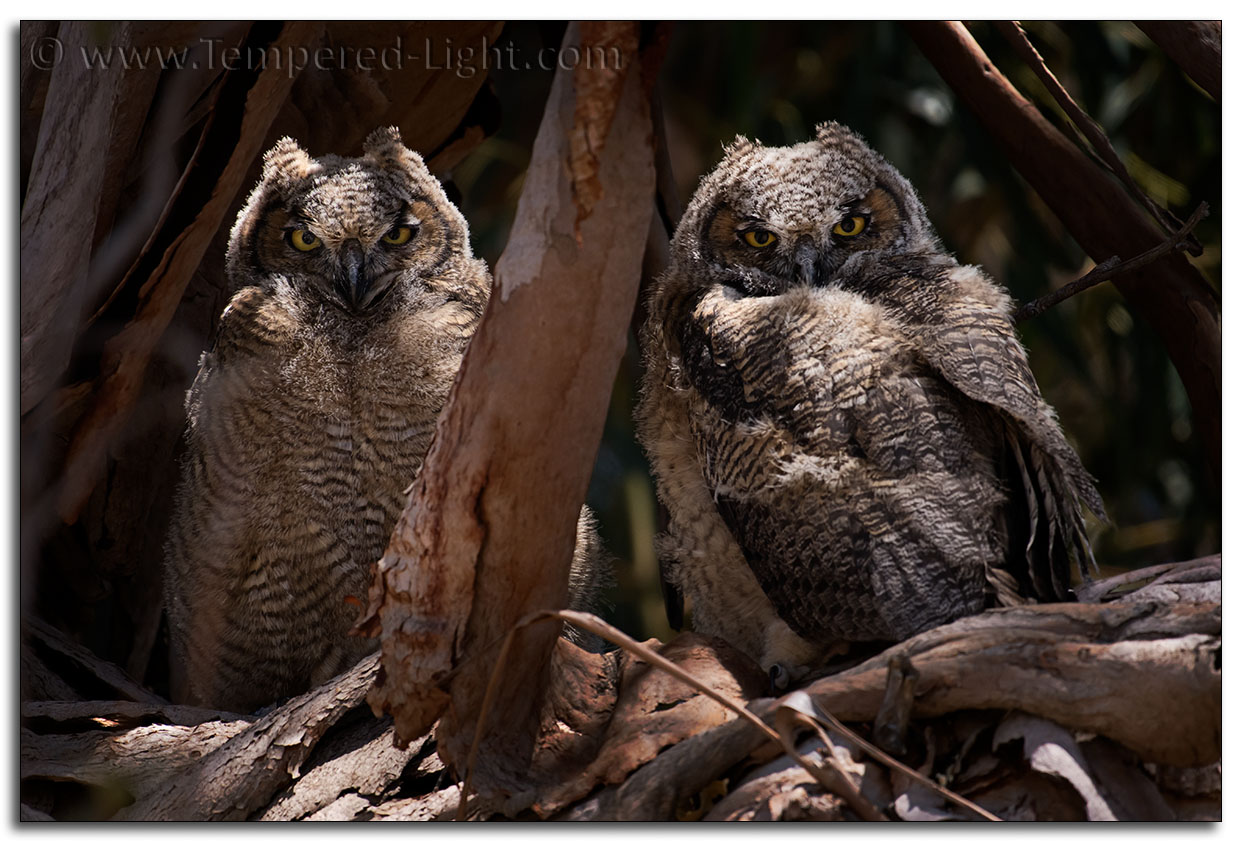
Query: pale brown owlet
<point x="311" y="415"/>
<point x="840" y="417"/>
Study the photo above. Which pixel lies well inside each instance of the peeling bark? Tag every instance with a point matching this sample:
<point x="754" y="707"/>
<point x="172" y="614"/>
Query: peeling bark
<point x="488" y="534"/>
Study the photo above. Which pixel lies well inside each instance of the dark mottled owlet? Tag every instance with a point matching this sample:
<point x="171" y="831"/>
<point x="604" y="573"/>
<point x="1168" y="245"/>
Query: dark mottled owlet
<point x="311" y="415"/>
<point x="840" y="417"/>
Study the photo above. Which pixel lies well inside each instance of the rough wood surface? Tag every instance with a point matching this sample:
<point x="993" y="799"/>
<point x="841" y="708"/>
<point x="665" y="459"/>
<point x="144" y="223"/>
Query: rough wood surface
<point x="1145" y="675"/>
<point x="242" y="775"/>
<point x="1198" y="580"/>
<point x="361" y="764"/>
<point x="1069" y="711"/>
<point x="487" y="536"/>
<point x="141" y="760"/>
<point x="118" y="713"/>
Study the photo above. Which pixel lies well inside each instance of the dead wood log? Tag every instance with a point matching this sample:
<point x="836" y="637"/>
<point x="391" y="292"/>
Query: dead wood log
<point x="487" y="536"/>
<point x="242" y="775"/>
<point x="112" y="714"/>
<point x="140" y="761"/>
<point x="780" y="790"/>
<point x="1143" y="674"/>
<point x="440" y="805"/>
<point x="1098" y="213"/>
<point x="362" y="763"/>
<point x="1187" y="581"/>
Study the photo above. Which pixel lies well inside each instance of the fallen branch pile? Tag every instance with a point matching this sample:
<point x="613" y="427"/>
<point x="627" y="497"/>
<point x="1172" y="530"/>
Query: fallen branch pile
<point x="1068" y="711"/>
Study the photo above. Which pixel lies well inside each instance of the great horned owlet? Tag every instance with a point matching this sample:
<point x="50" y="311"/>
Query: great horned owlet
<point x="840" y="417"/>
<point x="311" y="415"/>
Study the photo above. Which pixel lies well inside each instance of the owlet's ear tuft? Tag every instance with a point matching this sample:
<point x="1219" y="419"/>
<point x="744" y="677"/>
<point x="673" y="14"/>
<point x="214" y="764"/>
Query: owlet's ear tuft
<point x="740" y="146"/>
<point x="286" y="162"/>
<point x="381" y="139"/>
<point x="834" y="134"/>
<point x="827" y="129"/>
<point x="384" y="146"/>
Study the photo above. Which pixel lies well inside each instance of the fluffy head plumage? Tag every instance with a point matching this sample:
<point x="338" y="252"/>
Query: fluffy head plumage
<point x="795" y="196"/>
<point x="347" y="231"/>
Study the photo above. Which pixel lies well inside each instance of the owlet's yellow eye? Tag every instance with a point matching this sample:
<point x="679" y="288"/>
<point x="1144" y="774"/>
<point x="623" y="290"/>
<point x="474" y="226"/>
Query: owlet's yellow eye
<point x="303" y="240"/>
<point x="399" y="235"/>
<point x="851" y="226"/>
<point x="759" y="238"/>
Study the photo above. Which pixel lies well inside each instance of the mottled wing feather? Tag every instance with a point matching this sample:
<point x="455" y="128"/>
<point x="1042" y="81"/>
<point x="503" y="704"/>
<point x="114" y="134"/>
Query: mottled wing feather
<point x="975" y="348"/>
<point x="854" y="528"/>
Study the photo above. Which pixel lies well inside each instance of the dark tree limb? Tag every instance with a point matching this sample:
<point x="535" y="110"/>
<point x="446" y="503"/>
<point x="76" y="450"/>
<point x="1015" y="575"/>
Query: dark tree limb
<point x="1099" y="213"/>
<point x="39" y="633"/>
<point x="1194" y="44"/>
<point x="1091" y="130"/>
<point x="1112" y="268"/>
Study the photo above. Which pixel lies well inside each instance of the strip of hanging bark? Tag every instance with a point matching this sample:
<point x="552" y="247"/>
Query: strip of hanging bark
<point x="1112" y="268"/>
<point x="1090" y="129"/>
<point x="1096" y="210"/>
<point x="61" y="203"/>
<point x="245" y="772"/>
<point x="1194" y="44"/>
<point x="487" y="536"/>
<point x="239" y="124"/>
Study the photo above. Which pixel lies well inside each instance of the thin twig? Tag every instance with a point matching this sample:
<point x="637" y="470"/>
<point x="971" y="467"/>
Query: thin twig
<point x="1092" y="130"/>
<point x="1111" y="268"/>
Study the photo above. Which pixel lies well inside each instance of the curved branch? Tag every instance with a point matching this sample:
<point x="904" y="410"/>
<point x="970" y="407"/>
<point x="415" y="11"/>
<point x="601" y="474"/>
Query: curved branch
<point x="1090" y="128"/>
